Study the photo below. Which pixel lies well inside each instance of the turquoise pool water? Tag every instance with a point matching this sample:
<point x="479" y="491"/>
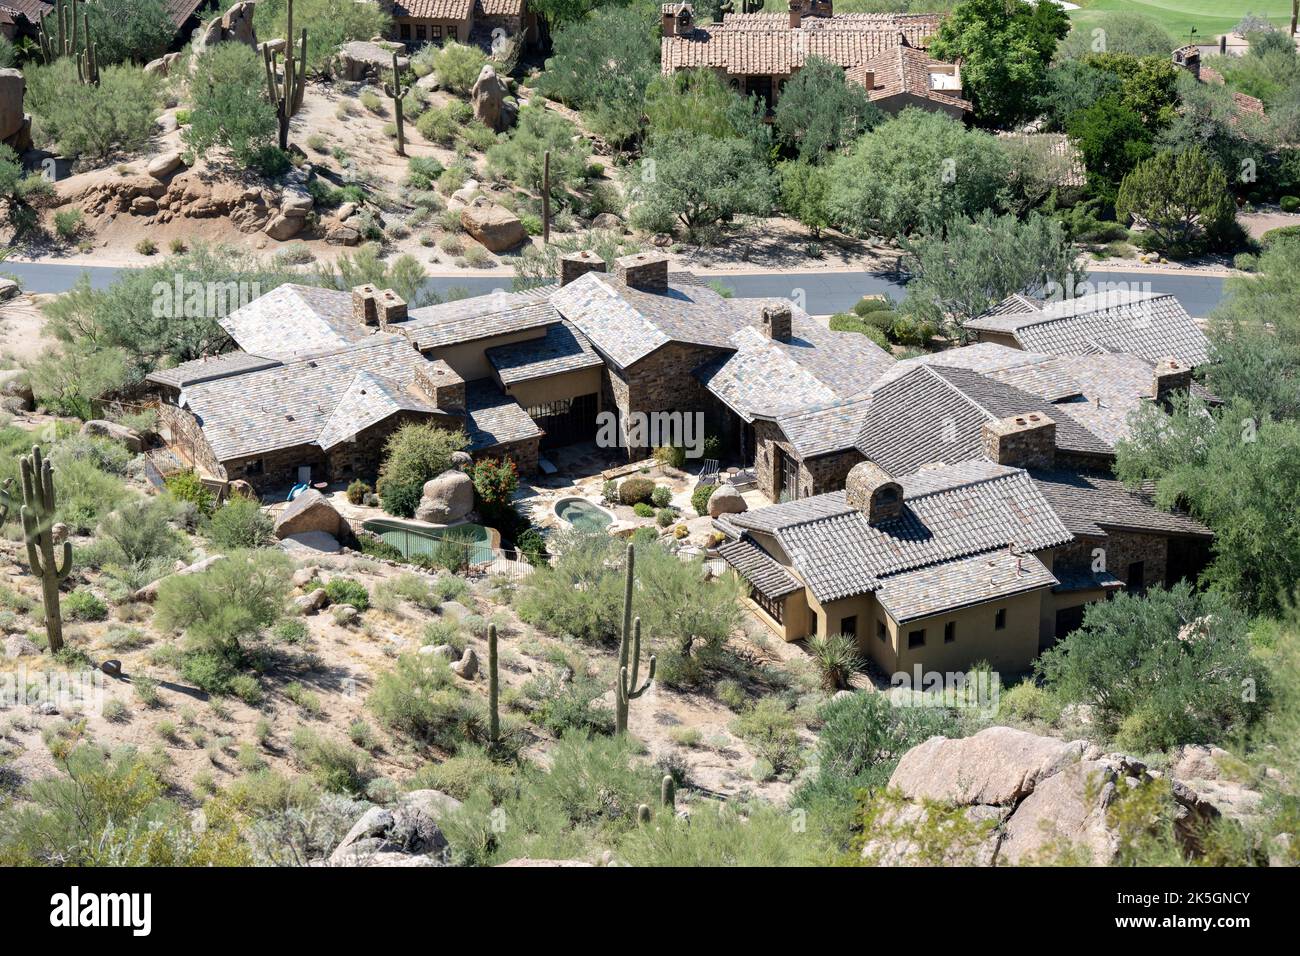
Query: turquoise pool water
<point x="582" y="514"/>
<point x="415" y="539"/>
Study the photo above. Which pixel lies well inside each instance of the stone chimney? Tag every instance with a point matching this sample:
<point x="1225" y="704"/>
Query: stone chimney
<point x="1021" y="441"/>
<point x="1170" y="376"/>
<point x="677" y="19"/>
<point x="870" y="490"/>
<point x="439" y="383"/>
<point x="392" y="307"/>
<point x="365" y="305"/>
<point x="796" y="14"/>
<point x="777" y="321"/>
<point x="647" y="271"/>
<point x="1189" y="58"/>
<point x="821" y="8"/>
<point x="869" y="79"/>
<point x="575" y="265"/>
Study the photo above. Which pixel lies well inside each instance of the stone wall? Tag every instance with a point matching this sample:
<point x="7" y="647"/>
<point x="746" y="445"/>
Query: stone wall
<point x="661" y="382"/>
<point x="187" y="437"/>
<point x="816" y="475"/>
<point x="522" y="453"/>
<point x="1120" y="548"/>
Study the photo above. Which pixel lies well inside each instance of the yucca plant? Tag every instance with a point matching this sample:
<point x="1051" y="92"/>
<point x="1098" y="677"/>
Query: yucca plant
<point x="836" y="658"/>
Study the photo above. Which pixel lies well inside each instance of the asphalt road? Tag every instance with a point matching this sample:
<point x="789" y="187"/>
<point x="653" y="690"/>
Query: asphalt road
<point x="817" y="292"/>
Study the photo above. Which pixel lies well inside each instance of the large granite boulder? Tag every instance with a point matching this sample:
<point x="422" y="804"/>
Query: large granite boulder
<point x="493" y="105"/>
<point x="405" y="835"/>
<point x="119" y="433"/>
<point x="16" y="385"/>
<point x="498" y="229"/>
<point x="447" y="499"/>
<point x="149" y="592"/>
<point x="310" y="511"/>
<point x="726" y="500"/>
<point x="236" y="25"/>
<point x="368" y="60"/>
<point x="12" y="88"/>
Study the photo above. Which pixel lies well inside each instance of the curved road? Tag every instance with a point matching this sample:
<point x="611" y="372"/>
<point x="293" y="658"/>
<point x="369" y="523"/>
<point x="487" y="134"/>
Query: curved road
<point x="818" y="292"/>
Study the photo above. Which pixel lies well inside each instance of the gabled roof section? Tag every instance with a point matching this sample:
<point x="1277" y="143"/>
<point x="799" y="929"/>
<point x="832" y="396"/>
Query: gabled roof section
<point x="945" y="587"/>
<point x="293" y="404"/>
<point x="910" y="71"/>
<point x="1090" y="505"/>
<point x="480" y="317"/>
<point x="1149" y="324"/>
<point x="367" y="401"/>
<point x="826" y="429"/>
<point x="949" y="513"/>
<point x="757" y="567"/>
<point x="293" y="321"/>
<point x="433" y="9"/>
<point x="495" y="418"/>
<point x="626" y="324"/>
<point x="561" y="349"/>
<point x="936" y="414"/>
<point x="210" y="368"/>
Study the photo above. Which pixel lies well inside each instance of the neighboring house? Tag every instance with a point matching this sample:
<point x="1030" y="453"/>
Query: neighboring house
<point x="417" y="22"/>
<point x="1244" y="105"/>
<point x="22" y="18"/>
<point x="906" y="76"/>
<point x="759" y="52"/>
<point x="1150" y="325"/>
<point x="1058" y="158"/>
<point x="188" y="15"/>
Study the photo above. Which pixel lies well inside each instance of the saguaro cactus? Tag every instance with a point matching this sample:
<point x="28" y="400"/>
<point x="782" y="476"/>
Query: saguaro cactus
<point x="286" y="97"/>
<point x="38" y="535"/>
<point x="65" y="41"/>
<point x="627" y="691"/>
<point x="396" y="92"/>
<point x="494" y="715"/>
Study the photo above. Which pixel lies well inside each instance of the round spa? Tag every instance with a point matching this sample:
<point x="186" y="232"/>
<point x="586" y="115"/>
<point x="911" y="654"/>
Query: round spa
<point x="584" y="515"/>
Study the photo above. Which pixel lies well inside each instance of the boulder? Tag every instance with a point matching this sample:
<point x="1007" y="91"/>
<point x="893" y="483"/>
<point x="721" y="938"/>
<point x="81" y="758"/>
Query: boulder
<point x="462" y="460"/>
<point x="447" y="499"/>
<point x="609" y="221"/>
<point x="150" y="591"/>
<point x="488" y="97"/>
<point x="236" y="25"/>
<point x="465" y="195"/>
<point x="310" y="511"/>
<point x="366" y="60"/>
<point x="312" y="602"/>
<point x="120" y="433"/>
<point x="467" y="666"/>
<point x="12" y="118"/>
<point x="726" y="500"/>
<point x="18" y="646"/>
<point x="341" y="235"/>
<point x="406" y="835"/>
<point x="345" y="614"/>
<point x="9" y="289"/>
<point x="239" y="488"/>
<point x="1065" y="809"/>
<point x="14" y="383"/>
<point x="445" y="651"/>
<point x="347" y="211"/>
<point x="304" y="576"/>
<point x="144" y="206"/>
<point x="498" y="229"/>
<point x="163" y="165"/>
<point x="283" y="227"/>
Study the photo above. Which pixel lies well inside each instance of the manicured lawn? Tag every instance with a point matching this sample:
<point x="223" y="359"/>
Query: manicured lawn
<point x="1210" y="17"/>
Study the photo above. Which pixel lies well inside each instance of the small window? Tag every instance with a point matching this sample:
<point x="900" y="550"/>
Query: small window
<point x="255" y="467"/>
<point x="849" y="626"/>
<point x="1000" y="619"/>
<point x="1137" y="576"/>
<point x="451" y="33"/>
<point x="404" y="31"/>
<point x="421" y="33"/>
<point x="882" y="632"/>
<point x="916" y="638"/>
<point x="437" y="31"/>
<point x="950" y="632"/>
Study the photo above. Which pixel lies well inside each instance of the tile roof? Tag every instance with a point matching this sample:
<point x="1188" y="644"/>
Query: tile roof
<point x="1061" y="158"/>
<point x="957" y="584"/>
<point x="433" y="9"/>
<point x="34" y="11"/>
<point x="936" y="414"/>
<point x="561" y="349"/>
<point x="767" y="46"/>
<point x="295" y="403"/>
<point x="1033" y="372"/>
<point x="949" y="513"/>
<point x="501" y="8"/>
<point x="495" y="418"/>
<point x="210" y="368"/>
<point x="1083" y="579"/>
<point x="480" y="317"/>
<point x="1150" y="324"/>
<point x="366" y="401"/>
<point x="296" y="321"/>
<point x="181" y="10"/>
<point x="755" y="565"/>
<point x="908" y="71"/>
<point x="626" y="324"/>
<point x="827" y="429"/>
<point x="1090" y="505"/>
<point x="816" y="368"/>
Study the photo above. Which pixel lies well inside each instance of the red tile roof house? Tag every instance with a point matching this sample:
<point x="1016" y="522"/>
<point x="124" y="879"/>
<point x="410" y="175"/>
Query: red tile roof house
<point x="417" y="22"/>
<point x="759" y="52"/>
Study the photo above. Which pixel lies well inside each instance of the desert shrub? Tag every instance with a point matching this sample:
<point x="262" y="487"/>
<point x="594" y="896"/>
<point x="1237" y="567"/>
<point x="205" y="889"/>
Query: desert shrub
<point x="837" y="659"/>
<point x="234" y="598"/>
<point x="1289" y="203"/>
<point x="419" y="698"/>
<point x="452" y="245"/>
<point x="92" y="121"/>
<point x="439" y="126"/>
<point x="337" y="766"/>
<point x="665" y="517"/>
<point x="572" y="708"/>
<point x="414" y="454"/>
<point x="671" y="455"/>
<point x="83" y="605"/>
<point x="290" y="630"/>
<point x="448" y="587"/>
<point x="187" y="486"/>
<point x="634" y="490"/>
<point x="423" y="171"/>
<point x="240" y="523"/>
<point x="700" y="499"/>
<point x="771" y="730"/>
<point x="469" y="771"/>
<point x="731" y="693"/>
<point x="643" y="509"/>
<point x="85" y="494"/>
<point x="1028" y="701"/>
<point x="348" y="591"/>
<point x="844" y="322"/>
<point x="444" y="631"/>
<point x="357" y="491"/>
<point x="68" y="222"/>
<point x="661" y="497"/>
<point x="458" y="65"/>
<point x="136" y="534"/>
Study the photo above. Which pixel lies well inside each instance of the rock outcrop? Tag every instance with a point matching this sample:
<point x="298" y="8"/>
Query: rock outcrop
<point x="235" y="25"/>
<point x="494" y="107"/>
<point x="405" y="835"/>
<point x="129" y="437"/>
<point x="447" y="499"/>
<point x="726" y="500"/>
<point x="498" y="229"/>
<point x="149" y="592"/>
<point x="368" y="60"/>
<point x="15" y="125"/>
<point x="1006" y="796"/>
<point x="310" y="511"/>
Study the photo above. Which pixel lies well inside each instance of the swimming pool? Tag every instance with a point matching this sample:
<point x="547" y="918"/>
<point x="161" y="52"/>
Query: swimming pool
<point x="583" y="514"/>
<point x="412" y="539"/>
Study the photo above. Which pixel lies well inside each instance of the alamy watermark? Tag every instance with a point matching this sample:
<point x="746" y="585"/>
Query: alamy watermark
<point x="978" y="690"/>
<point x="652" y="430"/>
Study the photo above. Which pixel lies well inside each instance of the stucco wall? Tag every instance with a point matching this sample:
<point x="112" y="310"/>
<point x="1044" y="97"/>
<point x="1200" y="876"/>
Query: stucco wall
<point x="567" y="385"/>
<point x="469" y="359"/>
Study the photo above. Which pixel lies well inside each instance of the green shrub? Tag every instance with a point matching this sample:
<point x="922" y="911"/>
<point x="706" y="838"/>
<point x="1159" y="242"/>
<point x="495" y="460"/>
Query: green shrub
<point x="83" y="605"/>
<point x="470" y="771"/>
<point x="1290" y="203"/>
<point x="1028" y="701"/>
<point x="418" y="698"/>
<point x="458" y="65"/>
<point x="423" y="171"/>
<point x="661" y="497"/>
<point x="437" y="126"/>
<point x="643" y="510"/>
<point x="337" y="766"/>
<point x="731" y="693"/>
<point x="413" y="455"/>
<point x="1245" y="261"/>
<point x="837" y="659"/>
<point x="664" y="517"/>
<point x="845" y="322"/>
<point x="291" y="630"/>
<point x="634" y="490"/>
<point x="357" y="491"/>
<point x="187" y="486"/>
<point x="866" y="305"/>
<point x="68" y="222"/>
<point x="700" y="499"/>
<point x="348" y="591"/>
<point x="235" y="597"/>
<point x="572" y="709"/>
<point x="240" y="523"/>
<point x="770" y="729"/>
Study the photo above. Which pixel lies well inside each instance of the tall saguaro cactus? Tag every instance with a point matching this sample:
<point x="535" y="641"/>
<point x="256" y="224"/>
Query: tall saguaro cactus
<point x="494" y="714"/>
<point x="286" y="97"/>
<point x="38" y="535"/>
<point x="396" y="92"/>
<point x="629" y="654"/>
<point x="65" y="41"/>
